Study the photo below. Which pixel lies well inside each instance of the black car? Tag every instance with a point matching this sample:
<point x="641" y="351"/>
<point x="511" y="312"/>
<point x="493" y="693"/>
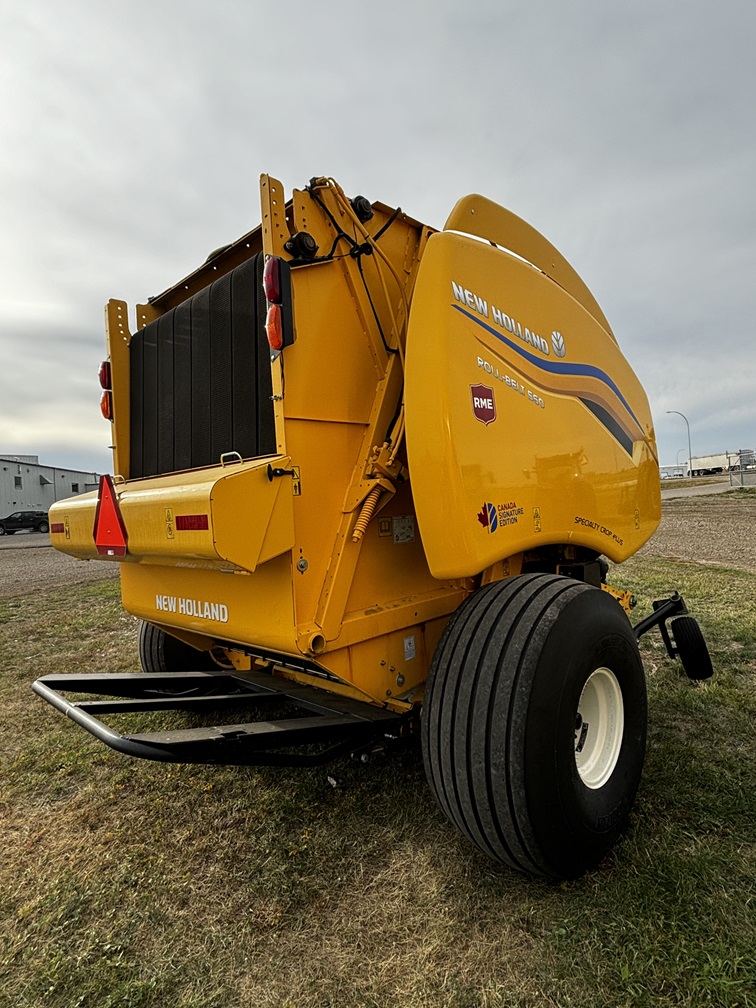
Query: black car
<point x="34" y="520"/>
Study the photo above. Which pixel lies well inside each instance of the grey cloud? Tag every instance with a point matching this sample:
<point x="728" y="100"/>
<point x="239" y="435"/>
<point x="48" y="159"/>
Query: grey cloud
<point x="133" y="140"/>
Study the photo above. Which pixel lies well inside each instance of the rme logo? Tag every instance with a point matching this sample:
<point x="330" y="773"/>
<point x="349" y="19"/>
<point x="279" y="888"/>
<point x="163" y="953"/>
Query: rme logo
<point x="483" y="403"/>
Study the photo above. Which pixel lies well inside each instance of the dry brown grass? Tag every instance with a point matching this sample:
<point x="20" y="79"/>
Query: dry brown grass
<point x="133" y="884"/>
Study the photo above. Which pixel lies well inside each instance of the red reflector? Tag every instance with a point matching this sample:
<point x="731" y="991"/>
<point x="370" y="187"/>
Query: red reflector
<point x="192" y="523"/>
<point x="104" y="375"/>
<point x="58" y="527"/>
<point x="106" y="404"/>
<point x="274" y="327"/>
<point x="272" y="279"/>
<point x="109" y="530"/>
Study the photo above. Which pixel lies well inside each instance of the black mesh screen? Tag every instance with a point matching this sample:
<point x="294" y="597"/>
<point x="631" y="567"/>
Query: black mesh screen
<point x="200" y="379"/>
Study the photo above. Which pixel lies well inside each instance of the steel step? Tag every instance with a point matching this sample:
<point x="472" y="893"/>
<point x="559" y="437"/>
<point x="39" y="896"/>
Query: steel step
<point x="335" y="723"/>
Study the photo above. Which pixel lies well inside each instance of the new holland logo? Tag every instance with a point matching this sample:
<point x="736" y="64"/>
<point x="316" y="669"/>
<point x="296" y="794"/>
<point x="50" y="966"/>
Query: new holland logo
<point x="557" y="341"/>
<point x="483" y="404"/>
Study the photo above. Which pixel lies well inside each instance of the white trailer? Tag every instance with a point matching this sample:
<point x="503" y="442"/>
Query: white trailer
<point x="710" y="465"/>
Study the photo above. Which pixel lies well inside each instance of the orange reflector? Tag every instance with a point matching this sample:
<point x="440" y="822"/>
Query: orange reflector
<point x="106" y="405"/>
<point x="274" y="327"/>
<point x="110" y="534"/>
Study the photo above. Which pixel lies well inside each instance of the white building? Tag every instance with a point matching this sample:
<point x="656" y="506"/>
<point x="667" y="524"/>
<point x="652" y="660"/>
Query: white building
<point x="27" y="485"/>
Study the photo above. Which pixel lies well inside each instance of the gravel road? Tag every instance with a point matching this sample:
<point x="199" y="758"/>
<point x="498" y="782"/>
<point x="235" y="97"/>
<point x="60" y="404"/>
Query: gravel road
<point x="29" y="564"/>
<point x="718" y="529"/>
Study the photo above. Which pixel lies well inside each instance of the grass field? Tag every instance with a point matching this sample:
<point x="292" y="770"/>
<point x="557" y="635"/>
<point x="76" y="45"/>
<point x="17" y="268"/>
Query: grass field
<point x="127" y="883"/>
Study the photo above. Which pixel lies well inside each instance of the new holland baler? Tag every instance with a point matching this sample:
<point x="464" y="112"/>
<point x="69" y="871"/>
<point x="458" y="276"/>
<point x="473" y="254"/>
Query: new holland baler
<point x="367" y="478"/>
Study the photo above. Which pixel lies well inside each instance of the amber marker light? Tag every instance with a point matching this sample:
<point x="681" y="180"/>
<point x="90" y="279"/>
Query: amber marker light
<point x="274" y="327"/>
<point x="106" y="404"/>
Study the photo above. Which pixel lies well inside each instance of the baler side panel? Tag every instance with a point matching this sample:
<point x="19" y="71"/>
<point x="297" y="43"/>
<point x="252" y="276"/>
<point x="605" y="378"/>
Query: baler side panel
<point x="525" y="424"/>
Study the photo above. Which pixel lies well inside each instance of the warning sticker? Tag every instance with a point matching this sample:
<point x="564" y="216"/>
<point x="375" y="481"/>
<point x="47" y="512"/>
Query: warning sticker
<point x="404" y="528"/>
<point x="409" y="648"/>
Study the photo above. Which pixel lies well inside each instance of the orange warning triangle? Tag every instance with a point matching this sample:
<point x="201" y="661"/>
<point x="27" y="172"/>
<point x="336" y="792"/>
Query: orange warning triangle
<point x="109" y="530"/>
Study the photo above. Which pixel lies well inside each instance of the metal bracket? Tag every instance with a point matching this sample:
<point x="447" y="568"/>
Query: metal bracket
<point x="664" y="609"/>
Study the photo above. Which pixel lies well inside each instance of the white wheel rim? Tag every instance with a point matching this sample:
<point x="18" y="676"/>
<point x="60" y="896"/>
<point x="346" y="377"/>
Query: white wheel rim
<point x="599" y="726"/>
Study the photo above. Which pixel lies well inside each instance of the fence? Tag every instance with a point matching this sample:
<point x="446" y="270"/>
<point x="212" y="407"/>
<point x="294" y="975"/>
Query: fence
<point x="745" y="477"/>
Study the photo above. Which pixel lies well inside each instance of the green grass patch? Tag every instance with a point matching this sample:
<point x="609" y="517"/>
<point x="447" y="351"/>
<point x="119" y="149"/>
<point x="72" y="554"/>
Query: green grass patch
<point x="127" y="883"/>
<point x="745" y="492"/>
<point x="676" y="482"/>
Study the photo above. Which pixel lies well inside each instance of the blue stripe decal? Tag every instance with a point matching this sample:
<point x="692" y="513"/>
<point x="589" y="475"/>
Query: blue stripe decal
<point x="588" y="370"/>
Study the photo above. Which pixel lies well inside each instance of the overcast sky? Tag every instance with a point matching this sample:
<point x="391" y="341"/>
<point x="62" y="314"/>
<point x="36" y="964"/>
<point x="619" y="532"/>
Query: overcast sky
<point x="132" y="137"/>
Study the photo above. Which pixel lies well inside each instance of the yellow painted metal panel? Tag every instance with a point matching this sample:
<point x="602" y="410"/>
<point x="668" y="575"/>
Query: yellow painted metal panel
<point x="247" y="518"/>
<point x="525" y="424"/>
<point x="230" y="607"/>
<point x="330" y="370"/>
<point x="326" y="454"/>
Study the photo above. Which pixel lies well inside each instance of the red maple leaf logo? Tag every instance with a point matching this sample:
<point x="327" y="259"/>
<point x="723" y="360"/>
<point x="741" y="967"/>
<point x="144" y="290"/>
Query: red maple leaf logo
<point x="483" y="516"/>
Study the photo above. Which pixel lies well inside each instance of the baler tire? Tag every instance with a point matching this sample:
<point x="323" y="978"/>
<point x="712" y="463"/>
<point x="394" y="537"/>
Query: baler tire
<point x="505" y="688"/>
<point x="691" y="648"/>
<point x="161" y="652"/>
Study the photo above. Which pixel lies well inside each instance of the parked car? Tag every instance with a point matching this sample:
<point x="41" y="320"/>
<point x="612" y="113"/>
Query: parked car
<point x="36" y="521"/>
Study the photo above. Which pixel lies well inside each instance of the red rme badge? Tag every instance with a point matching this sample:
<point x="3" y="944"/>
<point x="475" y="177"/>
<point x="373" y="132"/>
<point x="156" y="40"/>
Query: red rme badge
<point x="483" y="403"/>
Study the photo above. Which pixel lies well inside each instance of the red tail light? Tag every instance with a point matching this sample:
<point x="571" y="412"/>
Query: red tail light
<point x="279" y="324"/>
<point x="272" y="280"/>
<point x="104" y="375"/>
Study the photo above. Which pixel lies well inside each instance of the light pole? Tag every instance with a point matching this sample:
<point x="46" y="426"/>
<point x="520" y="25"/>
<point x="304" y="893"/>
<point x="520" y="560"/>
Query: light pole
<point x="690" y="453"/>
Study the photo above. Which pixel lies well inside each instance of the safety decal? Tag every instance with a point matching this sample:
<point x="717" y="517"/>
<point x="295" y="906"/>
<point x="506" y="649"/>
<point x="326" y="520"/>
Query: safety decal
<point x="409" y="648"/>
<point x="404" y="529"/>
<point x="483" y="403"/>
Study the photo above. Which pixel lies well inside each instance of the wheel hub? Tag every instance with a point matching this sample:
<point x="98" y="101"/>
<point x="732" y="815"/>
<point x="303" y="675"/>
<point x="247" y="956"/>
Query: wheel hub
<point x="599" y="727"/>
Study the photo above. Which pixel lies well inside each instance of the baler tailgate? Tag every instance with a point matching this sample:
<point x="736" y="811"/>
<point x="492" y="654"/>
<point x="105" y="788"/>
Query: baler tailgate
<point x="340" y="724"/>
